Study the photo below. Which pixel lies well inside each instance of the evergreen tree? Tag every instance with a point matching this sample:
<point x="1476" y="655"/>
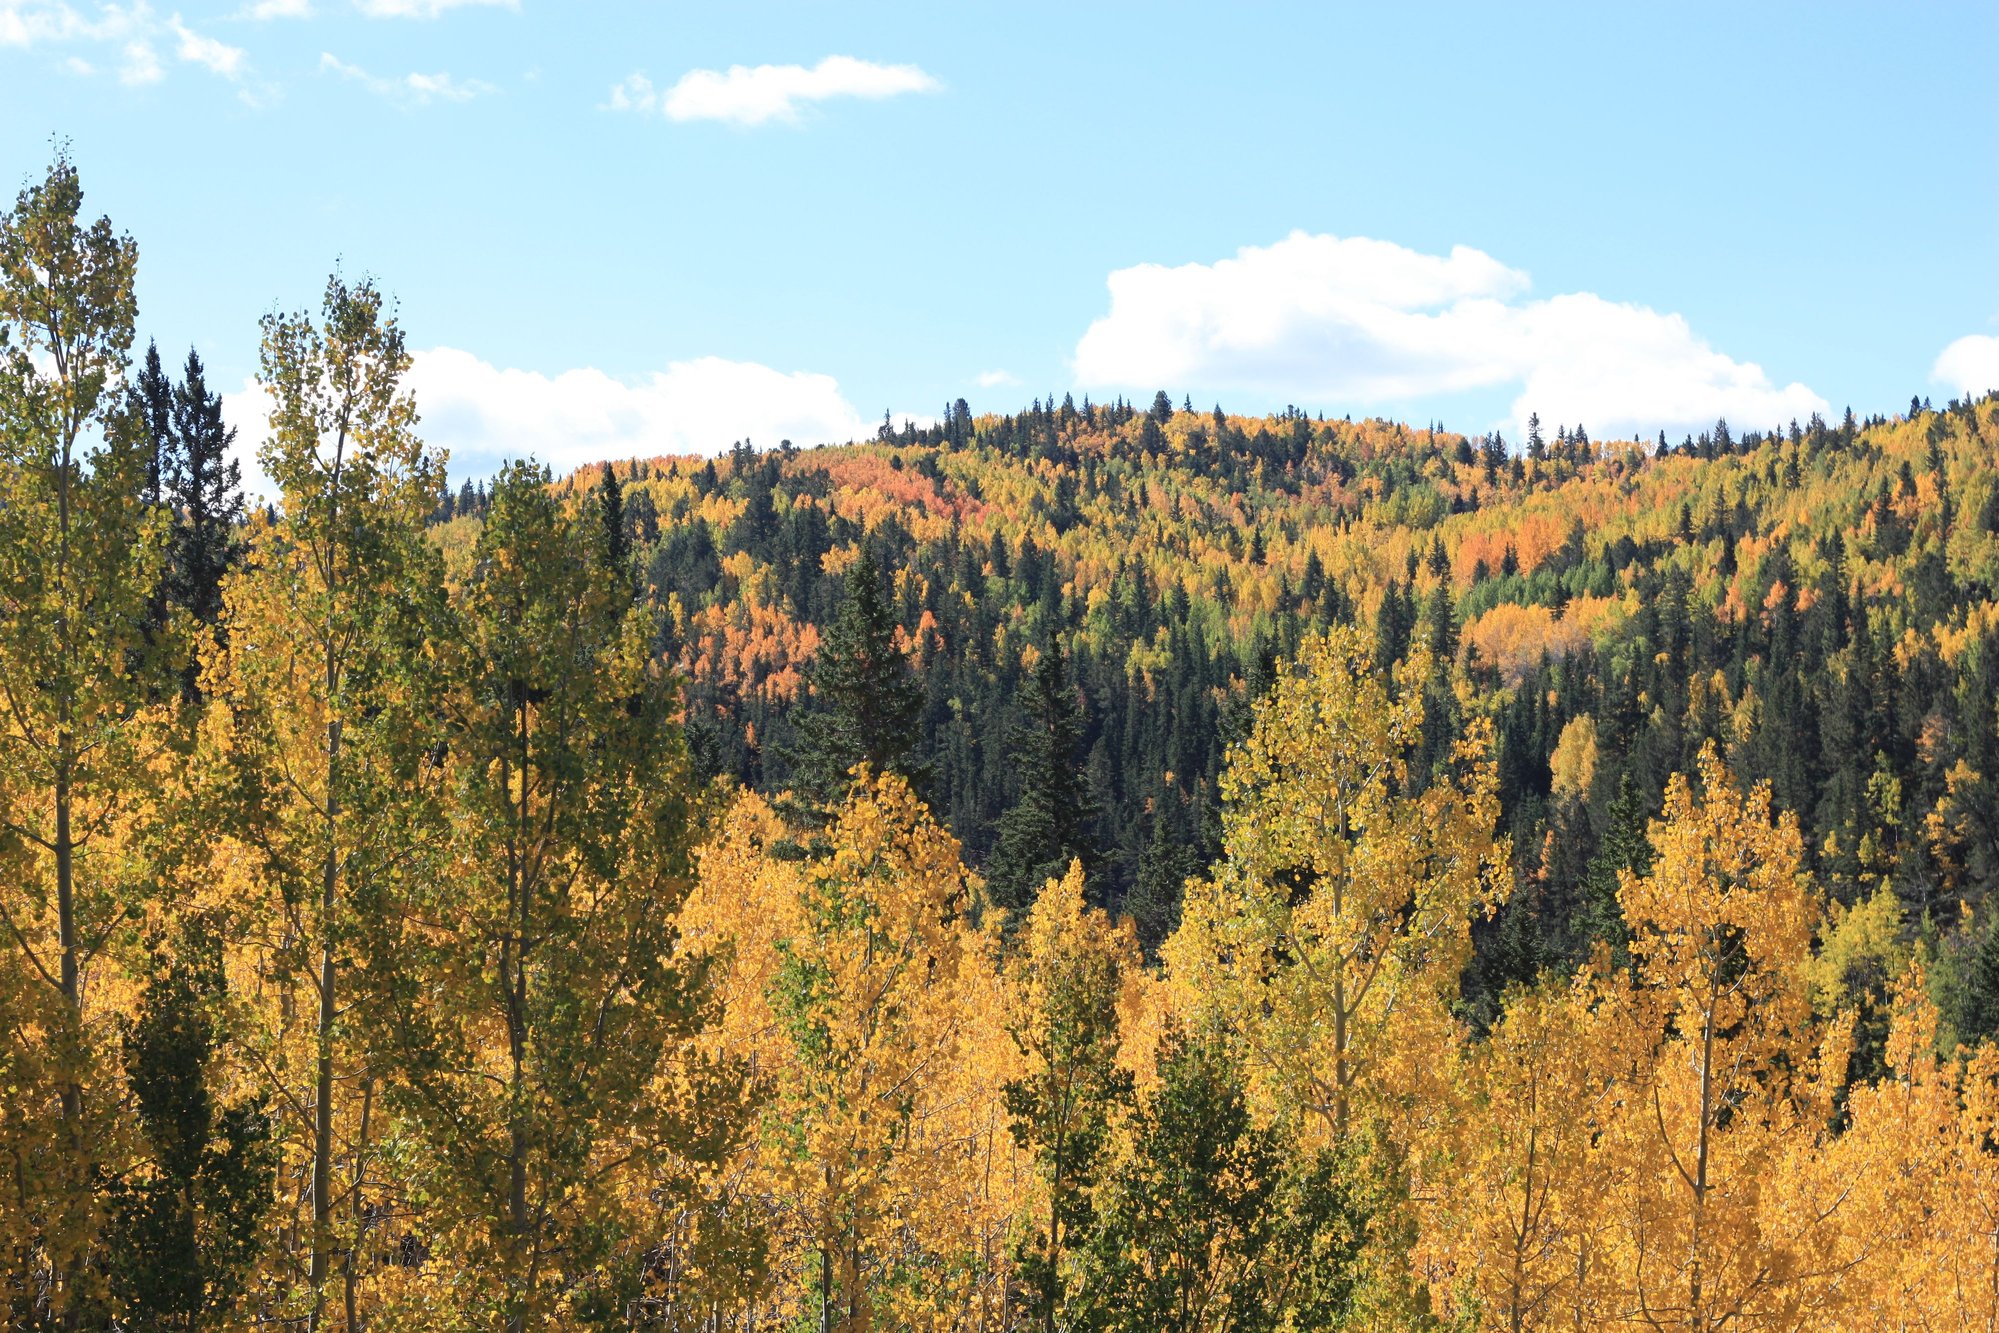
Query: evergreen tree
<point x="611" y="515"/>
<point x="152" y="401"/>
<point x="1978" y="1005"/>
<point x="204" y="490"/>
<point x="184" y="1226"/>
<point x="867" y="703"/>
<point x="1625" y="846"/>
<point x="1052" y="821"/>
<point x="1163" y="870"/>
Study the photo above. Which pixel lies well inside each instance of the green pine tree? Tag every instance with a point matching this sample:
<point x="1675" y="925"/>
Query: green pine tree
<point x="1053" y="820"/>
<point x="866" y="703"/>
<point x="184" y="1225"/>
<point x="204" y="490"/>
<point x="1625" y="846"/>
<point x="1163" y="870"/>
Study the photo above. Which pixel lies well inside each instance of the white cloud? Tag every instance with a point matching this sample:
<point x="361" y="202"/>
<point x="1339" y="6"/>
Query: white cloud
<point x="410" y="89"/>
<point x="425" y="9"/>
<point x="636" y="93"/>
<point x="996" y="379"/>
<point x="130" y="34"/>
<point x="1970" y="364"/>
<point x="264" y="10"/>
<point x="217" y="57"/>
<point x="485" y="415"/>
<point x="745" y="95"/>
<point x="25" y="23"/>
<point x="141" y="65"/>
<point x="1368" y="321"/>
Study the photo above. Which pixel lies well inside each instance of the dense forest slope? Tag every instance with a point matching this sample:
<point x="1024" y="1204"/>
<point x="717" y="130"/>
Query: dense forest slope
<point x="1084" y="870"/>
<point x="1817" y="600"/>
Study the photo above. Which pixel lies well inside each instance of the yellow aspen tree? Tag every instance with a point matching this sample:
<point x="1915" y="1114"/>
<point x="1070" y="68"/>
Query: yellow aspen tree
<point x="1721" y="931"/>
<point x="82" y="716"/>
<point x="1067" y="978"/>
<point x="1514" y="1179"/>
<point x="331" y="720"/>
<point x="1861" y="1208"/>
<point x="853" y="996"/>
<point x="744" y="902"/>
<point x="1334" y="930"/>
<point x="525" y="995"/>
<point x="1921" y="1242"/>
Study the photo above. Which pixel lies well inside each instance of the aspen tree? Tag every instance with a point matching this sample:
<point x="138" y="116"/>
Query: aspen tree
<point x="526" y="994"/>
<point x="82" y="674"/>
<point x="330" y="699"/>
<point x="1334" y="930"/>
<point x="1066" y="981"/>
<point x="1721" y="929"/>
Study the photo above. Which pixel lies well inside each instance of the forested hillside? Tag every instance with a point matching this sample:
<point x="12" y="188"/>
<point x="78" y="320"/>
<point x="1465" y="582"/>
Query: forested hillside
<point x="1110" y="867"/>
<point x="1815" y="600"/>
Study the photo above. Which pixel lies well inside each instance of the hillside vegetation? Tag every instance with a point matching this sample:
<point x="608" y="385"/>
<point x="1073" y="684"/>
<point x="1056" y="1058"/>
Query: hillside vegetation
<point x="1101" y="868"/>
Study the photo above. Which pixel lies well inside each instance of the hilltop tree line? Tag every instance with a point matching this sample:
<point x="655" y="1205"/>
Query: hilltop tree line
<point x="1092" y="869"/>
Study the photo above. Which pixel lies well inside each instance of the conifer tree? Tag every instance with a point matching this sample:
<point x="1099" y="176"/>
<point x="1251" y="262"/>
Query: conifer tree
<point x="152" y="401"/>
<point x="867" y="703"/>
<point x="1052" y="822"/>
<point x="611" y="514"/>
<point x="185" y="1223"/>
<point x="204" y="491"/>
<point x="1163" y="868"/>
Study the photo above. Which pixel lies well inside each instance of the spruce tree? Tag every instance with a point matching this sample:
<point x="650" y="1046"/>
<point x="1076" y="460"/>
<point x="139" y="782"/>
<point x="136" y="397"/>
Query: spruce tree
<point x="1163" y="870"/>
<point x="866" y="703"/>
<point x="1052" y="822"/>
<point x="1624" y="846"/>
<point x="204" y="488"/>
<point x="1978" y="1008"/>
<point x="611" y="513"/>
<point x="184" y="1226"/>
<point x="152" y="399"/>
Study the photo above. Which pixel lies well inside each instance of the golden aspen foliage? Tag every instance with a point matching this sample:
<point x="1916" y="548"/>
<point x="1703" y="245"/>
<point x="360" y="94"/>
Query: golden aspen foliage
<point x="1330" y="937"/>
<point x="524" y="996"/>
<point x="1515" y="1179"/>
<point x="83" y="716"/>
<point x="330" y="702"/>
<point x="1066" y="978"/>
<point x="1729" y="1070"/>
<point x="870" y="1017"/>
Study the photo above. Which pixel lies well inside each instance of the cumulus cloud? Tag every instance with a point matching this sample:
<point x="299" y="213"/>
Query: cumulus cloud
<point x="997" y="379"/>
<point x="485" y="414"/>
<point x="753" y="95"/>
<point x="1368" y="321"/>
<point x="410" y="89"/>
<point x="279" y="9"/>
<point x="1971" y="364"/>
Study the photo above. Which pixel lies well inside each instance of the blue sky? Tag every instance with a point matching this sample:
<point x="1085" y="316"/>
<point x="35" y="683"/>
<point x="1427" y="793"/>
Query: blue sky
<point x="607" y="243"/>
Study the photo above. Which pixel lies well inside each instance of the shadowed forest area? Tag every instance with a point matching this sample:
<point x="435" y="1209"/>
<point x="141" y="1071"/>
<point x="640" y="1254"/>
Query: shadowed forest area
<point x="1110" y="867"/>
